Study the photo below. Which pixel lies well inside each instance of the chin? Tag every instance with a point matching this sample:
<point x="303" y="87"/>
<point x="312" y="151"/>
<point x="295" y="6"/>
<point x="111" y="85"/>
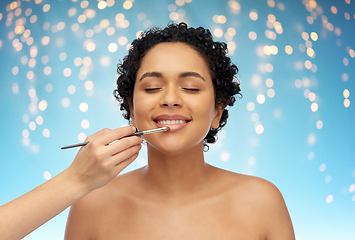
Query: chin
<point x="174" y="148"/>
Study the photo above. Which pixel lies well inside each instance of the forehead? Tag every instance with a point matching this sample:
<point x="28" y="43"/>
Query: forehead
<point x="173" y="56"/>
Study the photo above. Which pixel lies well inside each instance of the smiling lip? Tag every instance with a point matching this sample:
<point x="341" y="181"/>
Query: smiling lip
<point x="172" y="120"/>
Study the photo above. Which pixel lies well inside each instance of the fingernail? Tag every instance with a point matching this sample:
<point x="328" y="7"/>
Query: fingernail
<point x="133" y="129"/>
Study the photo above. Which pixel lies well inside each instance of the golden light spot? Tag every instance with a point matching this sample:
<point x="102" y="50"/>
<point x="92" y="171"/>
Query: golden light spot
<point x="19" y="29"/>
<point x="333" y="9"/>
<point x="234" y="5"/>
<point x="337" y="31"/>
<point x="15" y="70"/>
<point x="271" y="3"/>
<point x="260" y="98"/>
<point x="71" y="89"/>
<point x="352" y="53"/>
<point x="101" y="5"/>
<point x="305" y="36"/>
<point x="228" y="37"/>
<point x="252" y="35"/>
<point x="112" y="47"/>
<point x="314" y="107"/>
<point x="89" y="85"/>
<point x="110" y="31"/>
<point x="281" y="6"/>
<point x="42" y="105"/>
<point x="83" y="107"/>
<point x="324" y="19"/>
<point x="345" y="77"/>
<point x="346" y="103"/>
<point x="84" y="4"/>
<point x="127" y="5"/>
<point x="253" y="15"/>
<point x="71" y="12"/>
<point x="47" y="70"/>
<point x="85" y="124"/>
<point x="269" y="67"/>
<point x="231" y="46"/>
<point x="308" y="64"/>
<point x="122" y="41"/>
<point x="27" y="33"/>
<point x="271" y="18"/>
<point x="46" y="7"/>
<point x="346" y="93"/>
<point x="314" y="36"/>
<point x="221" y="19"/>
<point x="67" y="72"/>
<point x="259" y="129"/>
<point x="330" y="26"/>
<point x="314" y="68"/>
<point x="124" y="23"/>
<point x="174" y="16"/>
<point x="90" y="13"/>
<point x="104" y="23"/>
<point x="91" y="46"/>
<point x="310" y="52"/>
<point x="274" y="50"/>
<point x="32" y="62"/>
<point x="250" y="106"/>
<point x="310" y="19"/>
<point x="288" y="49"/>
<point x="110" y="3"/>
<point x="347" y="1"/>
<point x="312" y="96"/>
<point x="119" y="17"/>
<point x="267" y="50"/>
<point x="179" y="2"/>
<point x="81" y="18"/>
<point x="319" y="124"/>
<point x="87" y="61"/>
<point x="347" y="16"/>
<point x="218" y="32"/>
<point x="271" y="93"/>
<point x="269" y="82"/>
<point x="345" y="61"/>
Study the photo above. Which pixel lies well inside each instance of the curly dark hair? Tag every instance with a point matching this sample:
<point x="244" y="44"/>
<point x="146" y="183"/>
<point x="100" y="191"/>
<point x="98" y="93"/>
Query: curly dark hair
<point x="223" y="71"/>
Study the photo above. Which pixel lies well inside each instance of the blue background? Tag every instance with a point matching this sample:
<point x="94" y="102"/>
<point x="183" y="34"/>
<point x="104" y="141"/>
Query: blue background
<point x="311" y="162"/>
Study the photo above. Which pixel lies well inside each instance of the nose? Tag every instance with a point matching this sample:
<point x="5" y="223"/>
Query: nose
<point x="171" y="97"/>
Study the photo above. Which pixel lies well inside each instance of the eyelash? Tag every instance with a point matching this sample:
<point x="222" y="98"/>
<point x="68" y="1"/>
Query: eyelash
<point x="188" y="89"/>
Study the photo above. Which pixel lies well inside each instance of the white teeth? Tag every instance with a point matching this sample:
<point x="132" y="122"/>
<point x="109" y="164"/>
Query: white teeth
<point x="171" y="122"/>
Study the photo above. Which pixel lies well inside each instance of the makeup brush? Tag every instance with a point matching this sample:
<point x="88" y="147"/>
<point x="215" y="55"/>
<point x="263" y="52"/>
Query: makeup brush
<point x="140" y="133"/>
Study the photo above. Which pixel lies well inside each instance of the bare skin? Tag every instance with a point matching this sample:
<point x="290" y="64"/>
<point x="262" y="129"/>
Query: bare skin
<point x="93" y="167"/>
<point x="178" y="195"/>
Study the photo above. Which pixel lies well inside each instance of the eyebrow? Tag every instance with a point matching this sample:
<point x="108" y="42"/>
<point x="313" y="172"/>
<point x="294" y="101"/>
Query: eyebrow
<point x="182" y="75"/>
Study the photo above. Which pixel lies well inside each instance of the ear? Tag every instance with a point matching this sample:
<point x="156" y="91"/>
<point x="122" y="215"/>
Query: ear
<point x="218" y="114"/>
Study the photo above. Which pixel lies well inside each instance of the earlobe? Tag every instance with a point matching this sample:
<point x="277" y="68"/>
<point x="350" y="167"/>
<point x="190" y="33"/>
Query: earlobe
<point x="218" y="116"/>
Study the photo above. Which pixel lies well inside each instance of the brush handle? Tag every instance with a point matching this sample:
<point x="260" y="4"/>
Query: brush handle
<point x="140" y="133"/>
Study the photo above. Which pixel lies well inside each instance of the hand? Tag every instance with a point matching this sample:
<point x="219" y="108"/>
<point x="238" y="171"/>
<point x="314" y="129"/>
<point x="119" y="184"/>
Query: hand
<point x="104" y="158"/>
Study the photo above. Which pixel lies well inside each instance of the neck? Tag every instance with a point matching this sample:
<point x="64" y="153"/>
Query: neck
<point x="177" y="176"/>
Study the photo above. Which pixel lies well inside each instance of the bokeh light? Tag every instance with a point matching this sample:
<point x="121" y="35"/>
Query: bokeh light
<point x="296" y="74"/>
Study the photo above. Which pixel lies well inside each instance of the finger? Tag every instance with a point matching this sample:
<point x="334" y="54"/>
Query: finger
<point x="101" y="132"/>
<point x="122" y="144"/>
<point x="122" y="156"/>
<point x="116" y="134"/>
<point x="123" y="164"/>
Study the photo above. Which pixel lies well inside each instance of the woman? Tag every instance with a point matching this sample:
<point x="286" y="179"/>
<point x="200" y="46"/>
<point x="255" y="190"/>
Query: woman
<point x="177" y="77"/>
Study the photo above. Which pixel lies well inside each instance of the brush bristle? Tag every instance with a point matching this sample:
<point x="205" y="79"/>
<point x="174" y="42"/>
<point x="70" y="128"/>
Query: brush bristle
<point x="167" y="128"/>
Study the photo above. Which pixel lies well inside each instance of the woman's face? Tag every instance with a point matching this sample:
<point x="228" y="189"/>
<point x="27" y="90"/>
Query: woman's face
<point x="174" y="88"/>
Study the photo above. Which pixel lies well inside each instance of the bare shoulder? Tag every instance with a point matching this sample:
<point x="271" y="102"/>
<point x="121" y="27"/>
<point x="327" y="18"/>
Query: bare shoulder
<point x="262" y="201"/>
<point x="87" y="214"/>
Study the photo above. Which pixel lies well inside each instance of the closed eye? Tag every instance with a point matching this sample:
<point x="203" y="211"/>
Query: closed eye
<point x="151" y="89"/>
<point x="192" y="89"/>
